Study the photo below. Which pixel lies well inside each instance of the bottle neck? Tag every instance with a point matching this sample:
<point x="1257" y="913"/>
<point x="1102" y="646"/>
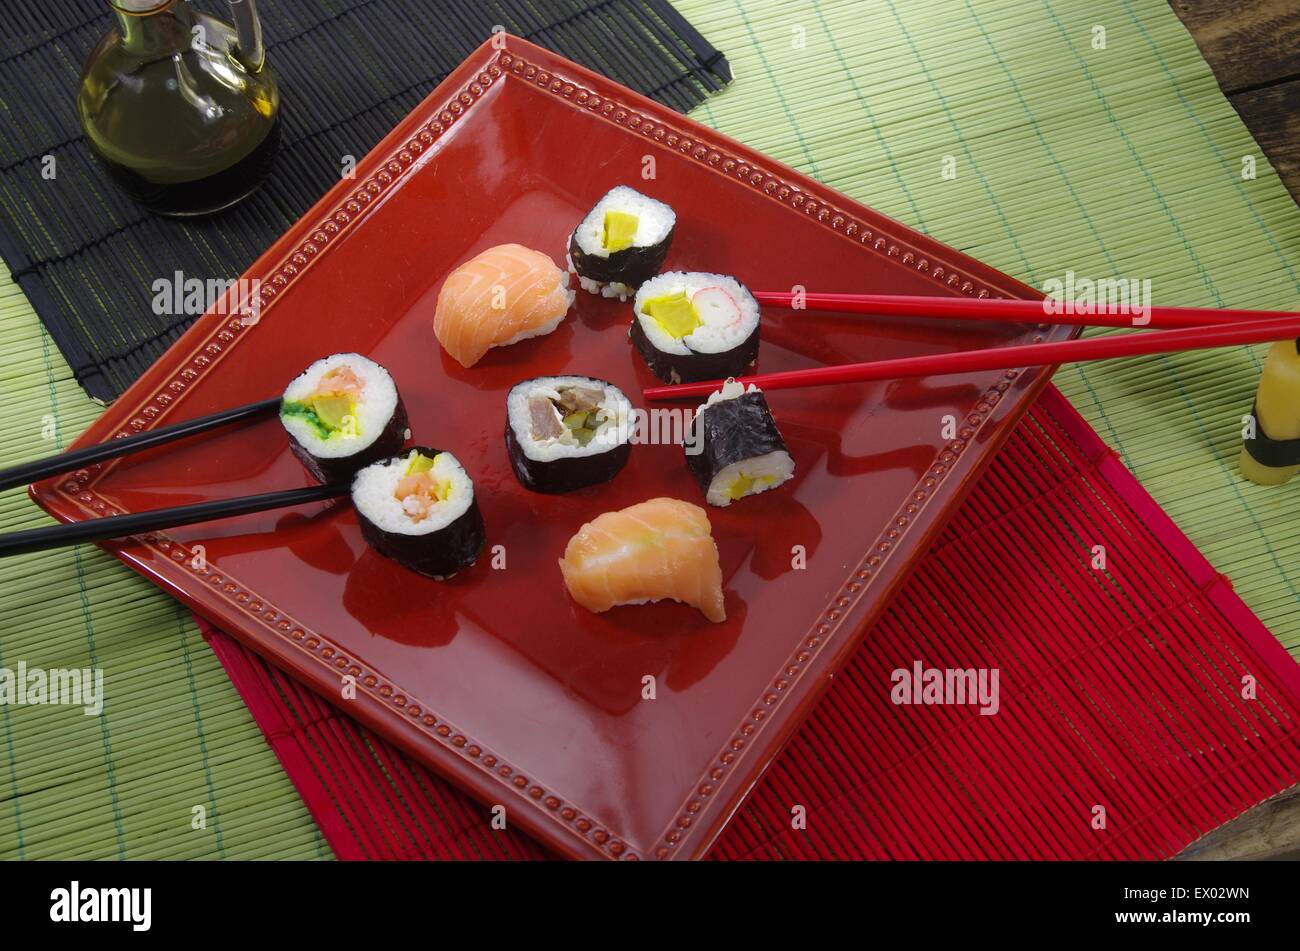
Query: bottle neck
<point x="153" y="26"/>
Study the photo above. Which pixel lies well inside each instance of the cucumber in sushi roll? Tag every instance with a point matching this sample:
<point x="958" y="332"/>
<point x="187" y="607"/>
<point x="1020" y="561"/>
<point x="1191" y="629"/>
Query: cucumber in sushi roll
<point x="343" y="412"/>
<point x="418" y="508"/>
<point x="690" y="326"/>
<point x="741" y="451"/>
<point x="566" y="432"/>
<point x="621" y="243"/>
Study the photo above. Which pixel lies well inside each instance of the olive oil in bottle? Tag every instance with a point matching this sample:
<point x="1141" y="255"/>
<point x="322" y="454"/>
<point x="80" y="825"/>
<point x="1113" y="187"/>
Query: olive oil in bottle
<point x="181" y="108"/>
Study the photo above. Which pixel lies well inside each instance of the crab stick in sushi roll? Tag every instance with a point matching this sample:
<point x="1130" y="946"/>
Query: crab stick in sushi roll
<point x="653" y="550"/>
<point x="342" y="413"/>
<point x="418" y="508"/>
<point x="501" y="296"/>
<point x="691" y="326"/>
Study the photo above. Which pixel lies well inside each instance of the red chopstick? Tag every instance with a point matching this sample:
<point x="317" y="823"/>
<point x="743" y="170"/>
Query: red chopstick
<point x="1011" y="311"/>
<point x="1007" y="358"/>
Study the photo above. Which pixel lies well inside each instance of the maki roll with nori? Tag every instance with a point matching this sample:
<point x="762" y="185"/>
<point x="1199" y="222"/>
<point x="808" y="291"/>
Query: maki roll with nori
<point x="735" y="449"/>
<point x="418" y="509"/>
<point x="566" y="432"/>
<point x="691" y="326"/>
<point x="621" y="243"/>
<point x="343" y="413"/>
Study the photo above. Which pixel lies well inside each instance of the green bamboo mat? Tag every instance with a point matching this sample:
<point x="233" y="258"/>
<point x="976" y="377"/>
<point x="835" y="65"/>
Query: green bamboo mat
<point x="1117" y="162"/>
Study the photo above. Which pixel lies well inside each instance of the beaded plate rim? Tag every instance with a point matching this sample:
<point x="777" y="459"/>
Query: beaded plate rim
<point x="572" y="83"/>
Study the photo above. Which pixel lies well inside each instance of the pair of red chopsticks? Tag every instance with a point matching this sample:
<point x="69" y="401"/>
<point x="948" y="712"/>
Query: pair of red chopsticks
<point x="1173" y="329"/>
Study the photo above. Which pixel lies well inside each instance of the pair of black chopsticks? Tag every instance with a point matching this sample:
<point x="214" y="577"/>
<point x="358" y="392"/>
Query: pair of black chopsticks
<point x="141" y="523"/>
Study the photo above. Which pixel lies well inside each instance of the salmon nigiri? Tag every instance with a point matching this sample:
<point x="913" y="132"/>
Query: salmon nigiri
<point x="501" y="296"/>
<point x="662" y="548"/>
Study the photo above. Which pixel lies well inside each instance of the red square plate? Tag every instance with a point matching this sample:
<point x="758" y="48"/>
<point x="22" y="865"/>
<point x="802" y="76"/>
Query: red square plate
<point x="497" y="679"/>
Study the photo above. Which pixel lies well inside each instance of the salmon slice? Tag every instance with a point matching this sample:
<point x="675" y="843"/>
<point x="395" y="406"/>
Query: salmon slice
<point x="662" y="548"/>
<point x="502" y="295"/>
<point x="340" y="381"/>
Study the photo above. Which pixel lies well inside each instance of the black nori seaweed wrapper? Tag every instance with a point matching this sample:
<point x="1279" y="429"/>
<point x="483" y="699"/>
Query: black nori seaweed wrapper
<point x="343" y="468"/>
<point x="439" y="554"/>
<point x="691" y="367"/>
<point x="632" y="266"/>
<point x="567" y="473"/>
<point x="734" y="430"/>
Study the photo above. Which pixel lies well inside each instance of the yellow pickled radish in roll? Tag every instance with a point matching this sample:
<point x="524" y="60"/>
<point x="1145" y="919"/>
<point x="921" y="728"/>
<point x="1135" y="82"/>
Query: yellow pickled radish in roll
<point x="1272" y="457"/>
<point x="342" y="413"/>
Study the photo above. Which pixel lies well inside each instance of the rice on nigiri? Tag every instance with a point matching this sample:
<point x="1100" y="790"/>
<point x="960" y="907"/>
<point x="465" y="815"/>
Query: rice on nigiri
<point x="662" y="548"/>
<point x="503" y="295"/>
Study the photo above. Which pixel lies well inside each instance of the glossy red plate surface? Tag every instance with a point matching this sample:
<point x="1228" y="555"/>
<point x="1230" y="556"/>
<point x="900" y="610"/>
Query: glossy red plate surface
<point x="496" y="678"/>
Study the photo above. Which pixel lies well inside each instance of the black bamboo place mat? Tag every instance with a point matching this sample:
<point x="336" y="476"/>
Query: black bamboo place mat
<point x="87" y="256"/>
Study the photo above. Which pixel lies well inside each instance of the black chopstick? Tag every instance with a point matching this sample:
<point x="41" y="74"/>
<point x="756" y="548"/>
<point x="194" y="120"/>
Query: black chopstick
<point x="140" y="523"/>
<point x="79" y="458"/>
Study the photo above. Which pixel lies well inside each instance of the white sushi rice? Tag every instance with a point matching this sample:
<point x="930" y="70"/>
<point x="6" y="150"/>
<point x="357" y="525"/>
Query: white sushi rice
<point x="730" y="390"/>
<point x="615" y="409"/>
<point x="541" y="330"/>
<point x="374" y="409"/>
<point x="654" y="221"/>
<point x="766" y="471"/>
<point x="615" y="289"/>
<point x="373" y="488"/>
<point x="718" y="332"/>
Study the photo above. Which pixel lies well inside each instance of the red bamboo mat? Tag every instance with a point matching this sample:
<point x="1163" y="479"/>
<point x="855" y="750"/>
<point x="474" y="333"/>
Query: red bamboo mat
<point x="1122" y="732"/>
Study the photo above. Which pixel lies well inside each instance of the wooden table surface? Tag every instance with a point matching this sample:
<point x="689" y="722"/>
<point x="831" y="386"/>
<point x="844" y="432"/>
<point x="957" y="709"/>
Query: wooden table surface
<point x="1253" y="46"/>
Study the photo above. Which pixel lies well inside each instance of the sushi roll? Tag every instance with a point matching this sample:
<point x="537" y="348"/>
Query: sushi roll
<point x="503" y="295"/>
<point x="566" y="432"/>
<point x="692" y="326"/>
<point x="738" y="449"/>
<point x="658" y="549"/>
<point x="621" y="243"/>
<point x="418" y="509"/>
<point x="343" y="412"/>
